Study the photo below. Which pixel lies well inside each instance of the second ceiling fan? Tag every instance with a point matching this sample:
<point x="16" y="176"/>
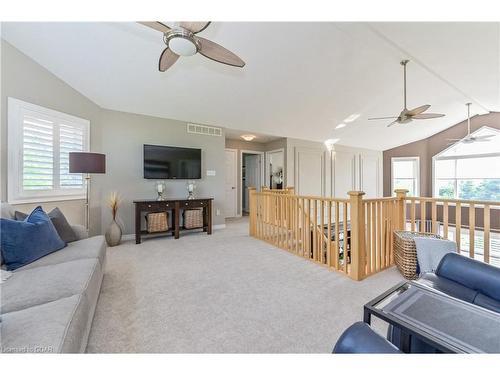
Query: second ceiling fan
<point x="181" y="39"/>
<point x="406" y="114"/>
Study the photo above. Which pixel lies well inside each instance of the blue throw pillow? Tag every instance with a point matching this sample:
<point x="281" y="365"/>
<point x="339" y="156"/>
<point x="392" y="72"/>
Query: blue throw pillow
<point x="23" y="242"/>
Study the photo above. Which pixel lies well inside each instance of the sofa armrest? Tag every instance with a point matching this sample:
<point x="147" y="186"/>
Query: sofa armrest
<point x="80" y="231"/>
<point x="478" y="276"/>
<point x="360" y="338"/>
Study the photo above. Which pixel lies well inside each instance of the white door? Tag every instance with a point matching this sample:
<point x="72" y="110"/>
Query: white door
<point x="344" y="178"/>
<point x="370" y="175"/>
<point x="231" y="181"/>
<point x="309" y="171"/>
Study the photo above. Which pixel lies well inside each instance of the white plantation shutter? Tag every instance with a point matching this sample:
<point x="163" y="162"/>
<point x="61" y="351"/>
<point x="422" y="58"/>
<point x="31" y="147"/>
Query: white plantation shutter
<point x="40" y="140"/>
<point x="71" y="138"/>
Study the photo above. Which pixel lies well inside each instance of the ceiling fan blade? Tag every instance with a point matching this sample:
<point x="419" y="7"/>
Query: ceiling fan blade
<point x="167" y="59"/>
<point x="453" y="139"/>
<point x="218" y="53"/>
<point x="194" y="27"/>
<point x="418" y="110"/>
<point x="382" y="118"/>
<point x="425" y="116"/>
<point x="158" y="26"/>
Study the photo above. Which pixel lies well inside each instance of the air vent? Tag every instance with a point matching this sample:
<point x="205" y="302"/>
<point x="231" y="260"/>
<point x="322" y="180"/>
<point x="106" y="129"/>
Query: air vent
<point x="204" y="130"/>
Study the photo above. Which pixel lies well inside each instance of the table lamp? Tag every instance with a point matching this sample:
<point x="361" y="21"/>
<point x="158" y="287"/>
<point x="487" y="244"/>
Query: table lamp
<point x="87" y="163"/>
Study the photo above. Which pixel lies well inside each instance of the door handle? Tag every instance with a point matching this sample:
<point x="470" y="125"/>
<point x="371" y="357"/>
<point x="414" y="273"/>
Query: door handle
<point x="232" y="187"/>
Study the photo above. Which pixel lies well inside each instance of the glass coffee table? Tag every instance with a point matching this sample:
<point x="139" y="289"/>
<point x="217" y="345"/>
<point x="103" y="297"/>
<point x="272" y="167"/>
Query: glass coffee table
<point x="446" y="323"/>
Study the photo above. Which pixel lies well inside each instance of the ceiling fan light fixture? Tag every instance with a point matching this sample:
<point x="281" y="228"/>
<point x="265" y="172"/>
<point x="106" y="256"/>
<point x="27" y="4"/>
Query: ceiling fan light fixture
<point x="182" y="46"/>
<point x="248" y="137"/>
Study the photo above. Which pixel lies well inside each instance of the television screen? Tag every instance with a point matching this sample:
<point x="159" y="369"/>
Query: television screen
<point x="165" y="162"/>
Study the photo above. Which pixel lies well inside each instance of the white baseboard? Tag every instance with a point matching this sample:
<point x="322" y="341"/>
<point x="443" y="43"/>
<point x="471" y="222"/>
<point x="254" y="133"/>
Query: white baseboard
<point x="131" y="236"/>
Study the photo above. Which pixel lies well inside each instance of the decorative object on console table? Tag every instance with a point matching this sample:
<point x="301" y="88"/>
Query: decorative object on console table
<point x="160" y="189"/>
<point x="87" y="162"/>
<point x="190" y="188"/>
<point x="114" y="232"/>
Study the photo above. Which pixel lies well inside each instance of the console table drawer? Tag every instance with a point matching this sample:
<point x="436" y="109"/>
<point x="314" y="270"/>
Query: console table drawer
<point x="193" y="204"/>
<point x="156" y="206"/>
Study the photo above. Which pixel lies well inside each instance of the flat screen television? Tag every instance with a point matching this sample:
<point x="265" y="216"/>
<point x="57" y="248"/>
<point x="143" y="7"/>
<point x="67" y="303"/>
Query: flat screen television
<point x="166" y="162"/>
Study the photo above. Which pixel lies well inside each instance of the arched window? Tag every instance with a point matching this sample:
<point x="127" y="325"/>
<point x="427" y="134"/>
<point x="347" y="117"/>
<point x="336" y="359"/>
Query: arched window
<point x="469" y="170"/>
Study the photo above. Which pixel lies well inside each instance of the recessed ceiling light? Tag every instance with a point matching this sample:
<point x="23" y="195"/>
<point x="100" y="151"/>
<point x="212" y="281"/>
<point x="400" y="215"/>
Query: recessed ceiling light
<point x="352" y="117"/>
<point x="248" y="137"/>
<point x="329" y="143"/>
<point x="340" y="126"/>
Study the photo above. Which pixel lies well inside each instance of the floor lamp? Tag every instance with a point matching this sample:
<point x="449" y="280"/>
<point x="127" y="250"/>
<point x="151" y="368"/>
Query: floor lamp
<point x="87" y="163"/>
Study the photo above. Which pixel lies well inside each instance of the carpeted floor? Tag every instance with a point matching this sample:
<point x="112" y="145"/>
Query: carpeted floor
<point x="223" y="293"/>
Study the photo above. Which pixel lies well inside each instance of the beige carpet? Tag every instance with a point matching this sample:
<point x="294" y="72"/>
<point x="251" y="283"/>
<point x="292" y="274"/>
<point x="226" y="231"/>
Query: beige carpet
<point x="223" y="293"/>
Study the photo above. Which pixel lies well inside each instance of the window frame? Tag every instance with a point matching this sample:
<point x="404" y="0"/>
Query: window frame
<point x="15" y="192"/>
<point x="416" y="160"/>
<point x="455" y="158"/>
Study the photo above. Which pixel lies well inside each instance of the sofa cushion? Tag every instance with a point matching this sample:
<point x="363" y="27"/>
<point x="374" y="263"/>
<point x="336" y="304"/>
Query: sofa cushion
<point x="93" y="247"/>
<point x="54" y="327"/>
<point x="46" y="284"/>
<point x="62" y="226"/>
<point x="487" y="302"/>
<point x="482" y="277"/>
<point x="447" y="286"/>
<point x="23" y="242"/>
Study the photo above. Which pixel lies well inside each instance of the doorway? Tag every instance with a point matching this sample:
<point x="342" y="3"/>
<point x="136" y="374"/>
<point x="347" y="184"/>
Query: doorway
<point x="251" y="176"/>
<point x="275" y="169"/>
<point x="231" y="183"/>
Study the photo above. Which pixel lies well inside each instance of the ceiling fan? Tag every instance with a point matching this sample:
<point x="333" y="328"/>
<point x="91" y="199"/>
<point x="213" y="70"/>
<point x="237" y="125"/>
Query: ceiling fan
<point x="469" y="138"/>
<point x="407" y="115"/>
<point x="181" y="39"/>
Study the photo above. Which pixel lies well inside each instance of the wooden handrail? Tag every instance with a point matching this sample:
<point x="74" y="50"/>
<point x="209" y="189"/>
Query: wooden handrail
<point x="355" y="235"/>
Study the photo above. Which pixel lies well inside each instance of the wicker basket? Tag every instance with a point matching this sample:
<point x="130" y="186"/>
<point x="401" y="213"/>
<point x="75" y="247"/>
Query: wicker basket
<point x="193" y="218"/>
<point x="157" y="222"/>
<point x="405" y="252"/>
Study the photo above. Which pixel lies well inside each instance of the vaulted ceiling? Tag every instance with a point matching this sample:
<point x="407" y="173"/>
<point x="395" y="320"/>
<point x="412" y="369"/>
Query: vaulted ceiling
<point x="300" y="80"/>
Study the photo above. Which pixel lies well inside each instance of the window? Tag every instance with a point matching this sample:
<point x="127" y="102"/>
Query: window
<point x="406" y="174"/>
<point x="39" y="140"/>
<point x="469" y="170"/>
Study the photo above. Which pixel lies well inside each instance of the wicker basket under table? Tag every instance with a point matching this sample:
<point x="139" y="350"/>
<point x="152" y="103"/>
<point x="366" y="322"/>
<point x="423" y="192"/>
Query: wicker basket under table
<point x="405" y="252"/>
<point x="193" y="218"/>
<point x="157" y="222"/>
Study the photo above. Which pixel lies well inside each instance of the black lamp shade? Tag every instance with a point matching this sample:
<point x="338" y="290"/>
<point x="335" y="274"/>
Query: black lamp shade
<point x="87" y="162"/>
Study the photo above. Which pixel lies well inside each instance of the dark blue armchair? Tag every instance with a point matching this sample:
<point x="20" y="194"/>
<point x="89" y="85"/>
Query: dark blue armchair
<point x="360" y="338"/>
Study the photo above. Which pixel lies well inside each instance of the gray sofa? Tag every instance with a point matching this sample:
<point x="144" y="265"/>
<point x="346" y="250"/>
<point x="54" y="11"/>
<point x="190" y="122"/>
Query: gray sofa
<point x="48" y="305"/>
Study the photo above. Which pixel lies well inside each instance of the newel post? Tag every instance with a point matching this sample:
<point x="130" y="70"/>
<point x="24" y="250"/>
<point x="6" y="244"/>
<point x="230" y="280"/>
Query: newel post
<point x="252" y="203"/>
<point x="358" y="256"/>
<point x="401" y="196"/>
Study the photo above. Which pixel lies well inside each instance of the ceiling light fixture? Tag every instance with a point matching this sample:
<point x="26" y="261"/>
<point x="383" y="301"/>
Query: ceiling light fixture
<point x="330" y="143"/>
<point x="352" y="117"/>
<point x="340" y="126"/>
<point x="248" y="137"/>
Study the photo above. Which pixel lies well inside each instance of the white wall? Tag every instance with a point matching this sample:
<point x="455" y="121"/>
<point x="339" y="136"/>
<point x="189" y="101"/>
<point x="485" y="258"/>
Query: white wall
<point x="313" y="170"/>
<point x="119" y="135"/>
